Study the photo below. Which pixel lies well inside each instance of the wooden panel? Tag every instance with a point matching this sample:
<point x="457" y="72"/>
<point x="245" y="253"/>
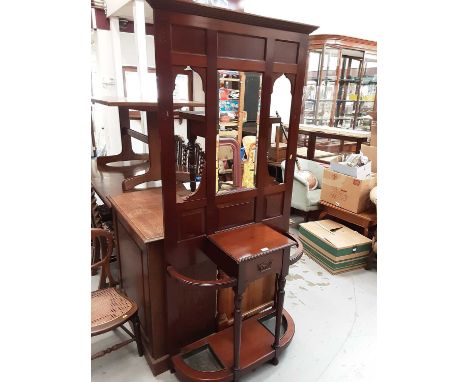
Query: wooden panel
<point x="132" y="278"/>
<point x="192" y="312"/>
<point x="257" y="296"/>
<point x="235" y="214"/>
<point x="188" y="59"/>
<point x="273" y="205"/>
<point x="156" y="274"/>
<point x="281" y="67"/>
<point x="286" y="51"/>
<point x="241" y="65"/>
<point x="191" y="223"/>
<point x="238" y="46"/>
<point x="188" y="39"/>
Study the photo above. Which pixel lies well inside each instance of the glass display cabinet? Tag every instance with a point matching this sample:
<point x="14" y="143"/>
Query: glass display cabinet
<point x="341" y="84"/>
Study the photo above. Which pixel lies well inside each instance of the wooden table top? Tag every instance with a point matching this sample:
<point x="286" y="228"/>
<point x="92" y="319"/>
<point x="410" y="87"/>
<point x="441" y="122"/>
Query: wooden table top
<point x="247" y="242"/>
<point x="369" y="216"/>
<point x="142" y="211"/>
<point x="334" y="131"/>
<point x="107" y="180"/>
<point x="141" y="104"/>
<point x="199" y="115"/>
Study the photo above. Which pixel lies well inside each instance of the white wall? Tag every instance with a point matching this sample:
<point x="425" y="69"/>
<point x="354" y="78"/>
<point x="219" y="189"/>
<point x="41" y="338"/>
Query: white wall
<point x="129" y="50"/>
<point x="280" y="102"/>
<point x="105" y="118"/>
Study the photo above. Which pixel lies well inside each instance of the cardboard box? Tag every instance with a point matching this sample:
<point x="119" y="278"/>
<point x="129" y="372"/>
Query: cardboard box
<point x="371" y="153"/>
<point x="334" y="246"/>
<point x="362" y="172"/>
<point x="373" y="132"/>
<point x="347" y="192"/>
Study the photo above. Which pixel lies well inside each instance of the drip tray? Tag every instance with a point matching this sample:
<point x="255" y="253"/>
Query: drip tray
<point x="269" y="323"/>
<point x="203" y="359"/>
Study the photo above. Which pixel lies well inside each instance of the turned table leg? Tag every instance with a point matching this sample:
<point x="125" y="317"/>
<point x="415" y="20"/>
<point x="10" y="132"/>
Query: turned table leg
<point x="322" y="215"/>
<point x="279" y="316"/>
<point x="237" y="332"/>
<point x="366" y="231"/>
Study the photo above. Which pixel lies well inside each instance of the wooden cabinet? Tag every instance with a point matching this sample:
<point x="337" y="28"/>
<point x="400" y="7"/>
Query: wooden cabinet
<point x="341" y="84"/>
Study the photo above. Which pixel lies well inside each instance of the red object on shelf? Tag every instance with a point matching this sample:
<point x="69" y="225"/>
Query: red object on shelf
<point x="223" y="94"/>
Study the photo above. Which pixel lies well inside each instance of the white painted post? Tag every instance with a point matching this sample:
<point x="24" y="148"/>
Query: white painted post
<point x="117" y="54"/>
<point x="142" y="67"/>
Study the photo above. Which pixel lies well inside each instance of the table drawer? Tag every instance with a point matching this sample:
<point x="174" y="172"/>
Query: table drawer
<point x="262" y="266"/>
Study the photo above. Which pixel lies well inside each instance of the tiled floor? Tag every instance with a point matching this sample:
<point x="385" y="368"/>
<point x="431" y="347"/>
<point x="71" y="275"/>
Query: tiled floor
<point x="335" y="339"/>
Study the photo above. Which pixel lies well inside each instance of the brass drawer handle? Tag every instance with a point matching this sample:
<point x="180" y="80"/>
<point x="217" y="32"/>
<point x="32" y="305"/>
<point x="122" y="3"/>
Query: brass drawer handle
<point x="262" y="267"/>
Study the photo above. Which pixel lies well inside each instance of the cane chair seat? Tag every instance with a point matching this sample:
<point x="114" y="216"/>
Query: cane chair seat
<point x="109" y="308"/>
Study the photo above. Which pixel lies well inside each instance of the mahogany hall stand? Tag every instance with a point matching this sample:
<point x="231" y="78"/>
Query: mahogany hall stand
<point x="162" y="229"/>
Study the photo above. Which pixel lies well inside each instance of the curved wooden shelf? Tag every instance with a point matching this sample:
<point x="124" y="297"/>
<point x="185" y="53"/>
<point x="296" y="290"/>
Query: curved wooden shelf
<point x="257" y="349"/>
<point x="225" y="282"/>
<point x="299" y="251"/>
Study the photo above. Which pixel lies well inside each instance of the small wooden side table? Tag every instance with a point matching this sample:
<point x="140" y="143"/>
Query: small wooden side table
<point x="248" y="253"/>
<point x="365" y="220"/>
<point x="243" y="254"/>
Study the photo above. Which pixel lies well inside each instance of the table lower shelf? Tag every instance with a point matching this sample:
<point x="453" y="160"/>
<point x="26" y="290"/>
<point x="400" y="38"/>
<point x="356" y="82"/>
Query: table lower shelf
<point x="211" y="358"/>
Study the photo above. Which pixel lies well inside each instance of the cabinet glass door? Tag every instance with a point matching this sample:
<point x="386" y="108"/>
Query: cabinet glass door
<point x="348" y="91"/>
<point x="367" y="92"/>
<point x="327" y="86"/>
<point x="310" y="90"/>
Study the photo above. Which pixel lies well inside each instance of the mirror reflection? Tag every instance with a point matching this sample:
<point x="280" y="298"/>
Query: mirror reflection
<point x="189" y="147"/>
<point x="238" y="119"/>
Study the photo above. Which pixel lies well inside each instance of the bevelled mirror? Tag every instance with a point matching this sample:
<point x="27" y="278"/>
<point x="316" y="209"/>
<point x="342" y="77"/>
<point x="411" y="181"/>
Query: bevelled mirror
<point x="189" y="147"/>
<point x="238" y="120"/>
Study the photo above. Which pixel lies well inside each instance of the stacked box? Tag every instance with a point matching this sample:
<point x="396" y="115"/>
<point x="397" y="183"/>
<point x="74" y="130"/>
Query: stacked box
<point x="334" y="246"/>
<point x="347" y="192"/>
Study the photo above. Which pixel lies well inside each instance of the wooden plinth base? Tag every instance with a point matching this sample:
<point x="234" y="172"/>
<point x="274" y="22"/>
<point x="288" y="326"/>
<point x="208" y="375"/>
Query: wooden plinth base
<point x="256" y="349"/>
<point x="159" y="365"/>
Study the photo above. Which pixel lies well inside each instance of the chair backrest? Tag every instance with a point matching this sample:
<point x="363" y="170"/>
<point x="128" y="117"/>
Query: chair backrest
<point x="180" y="149"/>
<point x="102" y="242"/>
<point x="96" y="219"/>
<point x="233" y="144"/>
<point x="199" y="155"/>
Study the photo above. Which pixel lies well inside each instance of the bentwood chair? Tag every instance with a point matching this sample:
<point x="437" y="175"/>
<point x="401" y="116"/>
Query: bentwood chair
<point x="110" y="308"/>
